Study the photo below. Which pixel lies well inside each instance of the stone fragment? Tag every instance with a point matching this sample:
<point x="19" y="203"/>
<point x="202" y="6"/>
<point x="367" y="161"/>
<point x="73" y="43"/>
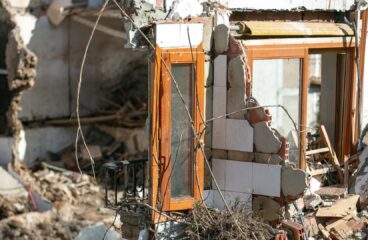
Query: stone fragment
<point x="265" y="138"/>
<point x="293" y="182"/>
<point x="221" y="38"/>
<point x="267" y="158"/>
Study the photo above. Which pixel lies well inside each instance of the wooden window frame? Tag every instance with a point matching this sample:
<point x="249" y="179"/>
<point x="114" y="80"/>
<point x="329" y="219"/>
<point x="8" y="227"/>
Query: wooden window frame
<point x="263" y="50"/>
<point x="160" y="137"/>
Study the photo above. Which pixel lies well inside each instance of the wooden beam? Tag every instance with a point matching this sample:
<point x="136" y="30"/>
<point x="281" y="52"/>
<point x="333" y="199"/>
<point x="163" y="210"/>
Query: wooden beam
<point x="316" y="151"/>
<point x="333" y="156"/>
<point x="321" y="171"/>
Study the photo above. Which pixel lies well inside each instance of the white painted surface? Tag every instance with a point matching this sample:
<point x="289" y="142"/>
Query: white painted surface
<point x="247" y="177"/>
<point x="219" y="133"/>
<point x="239" y="135"/>
<point x="220" y="71"/>
<point x="219" y="101"/>
<point x="42" y="140"/>
<point x="26" y="24"/>
<point x="238" y="176"/>
<point x="266" y="179"/>
<point x="176" y="35"/>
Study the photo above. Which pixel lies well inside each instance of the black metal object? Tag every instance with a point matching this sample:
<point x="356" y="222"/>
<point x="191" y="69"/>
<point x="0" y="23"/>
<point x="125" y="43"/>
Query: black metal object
<point x="129" y="177"/>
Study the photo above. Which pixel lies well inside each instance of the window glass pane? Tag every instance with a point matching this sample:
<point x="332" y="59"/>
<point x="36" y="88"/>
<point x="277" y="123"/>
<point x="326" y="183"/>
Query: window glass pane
<point x="277" y="81"/>
<point x="181" y="132"/>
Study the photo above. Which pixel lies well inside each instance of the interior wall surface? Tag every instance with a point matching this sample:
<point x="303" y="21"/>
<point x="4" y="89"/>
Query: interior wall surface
<point x="60" y="51"/>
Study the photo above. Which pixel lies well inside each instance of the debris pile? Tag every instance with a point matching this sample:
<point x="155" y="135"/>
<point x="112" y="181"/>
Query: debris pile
<point x="331" y="208"/>
<point x="56" y="204"/>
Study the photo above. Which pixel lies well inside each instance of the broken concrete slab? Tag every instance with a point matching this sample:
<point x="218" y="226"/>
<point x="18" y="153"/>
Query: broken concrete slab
<point x="293" y="182"/>
<point x="266" y="208"/>
<point x="221" y="36"/>
<point x="341" y="208"/>
<point x="96" y="232"/>
<point x="267" y="158"/>
<point x="10" y="187"/>
<point x="265" y="138"/>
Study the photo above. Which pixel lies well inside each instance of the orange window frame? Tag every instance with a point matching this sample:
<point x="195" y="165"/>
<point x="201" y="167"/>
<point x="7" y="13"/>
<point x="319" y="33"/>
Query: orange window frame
<point x="160" y="195"/>
<point x="302" y="51"/>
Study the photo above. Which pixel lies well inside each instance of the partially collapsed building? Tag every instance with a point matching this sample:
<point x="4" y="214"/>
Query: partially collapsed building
<point x="203" y="119"/>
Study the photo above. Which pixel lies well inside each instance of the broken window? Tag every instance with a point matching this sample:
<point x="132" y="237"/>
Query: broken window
<point x="177" y="103"/>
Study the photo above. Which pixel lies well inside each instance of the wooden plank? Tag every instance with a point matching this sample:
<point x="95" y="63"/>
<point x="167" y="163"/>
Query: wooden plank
<point x="321" y="171"/>
<point x="304" y="109"/>
<point x="341" y="208"/>
<point x="334" y="159"/>
<point x="316" y="151"/>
